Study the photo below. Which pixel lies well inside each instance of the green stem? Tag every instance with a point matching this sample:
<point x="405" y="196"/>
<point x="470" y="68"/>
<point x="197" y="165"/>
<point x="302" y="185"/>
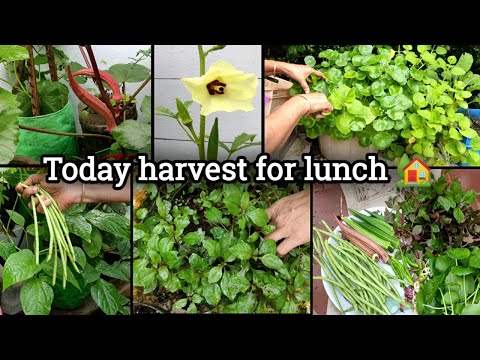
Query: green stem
<point x="201" y="140"/>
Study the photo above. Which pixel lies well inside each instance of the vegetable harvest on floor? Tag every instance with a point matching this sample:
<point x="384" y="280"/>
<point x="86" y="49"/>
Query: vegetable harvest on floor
<point x="420" y="255"/>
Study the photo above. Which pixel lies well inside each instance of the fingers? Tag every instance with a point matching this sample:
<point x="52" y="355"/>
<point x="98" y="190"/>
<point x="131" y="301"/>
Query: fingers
<point x="318" y="73"/>
<point x="304" y="85"/>
<point x="277" y="235"/>
<point x="35" y="179"/>
<point x="30" y="191"/>
<point x="289" y="244"/>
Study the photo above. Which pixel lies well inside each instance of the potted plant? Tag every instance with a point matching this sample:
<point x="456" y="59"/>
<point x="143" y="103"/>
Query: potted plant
<point x="398" y="100"/>
<point x="100" y="238"/>
<point x="35" y="107"/>
<point x="112" y="104"/>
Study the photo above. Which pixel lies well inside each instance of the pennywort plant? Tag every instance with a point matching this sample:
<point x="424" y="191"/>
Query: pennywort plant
<point x="208" y="245"/>
<point x="400" y="100"/>
<point x="221" y="88"/>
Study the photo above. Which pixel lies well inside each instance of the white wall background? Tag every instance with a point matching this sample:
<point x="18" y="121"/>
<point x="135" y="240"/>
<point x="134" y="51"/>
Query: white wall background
<point x="106" y="56"/>
<point x="173" y="62"/>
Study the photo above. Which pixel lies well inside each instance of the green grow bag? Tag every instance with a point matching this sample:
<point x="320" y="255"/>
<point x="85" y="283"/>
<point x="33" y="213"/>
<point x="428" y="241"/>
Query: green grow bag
<point x="35" y="144"/>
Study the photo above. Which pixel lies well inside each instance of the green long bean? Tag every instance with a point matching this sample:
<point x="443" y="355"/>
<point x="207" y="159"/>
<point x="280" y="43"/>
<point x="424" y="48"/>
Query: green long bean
<point x="60" y="244"/>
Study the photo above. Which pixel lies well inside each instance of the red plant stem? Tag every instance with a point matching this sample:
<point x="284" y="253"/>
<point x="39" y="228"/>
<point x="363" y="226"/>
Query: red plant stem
<point x="98" y="80"/>
<point x="53" y="132"/>
<point x="87" y="62"/>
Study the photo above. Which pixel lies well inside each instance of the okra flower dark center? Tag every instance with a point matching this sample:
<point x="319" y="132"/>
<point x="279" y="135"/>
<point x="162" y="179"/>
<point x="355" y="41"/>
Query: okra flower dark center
<point x="216" y="87"/>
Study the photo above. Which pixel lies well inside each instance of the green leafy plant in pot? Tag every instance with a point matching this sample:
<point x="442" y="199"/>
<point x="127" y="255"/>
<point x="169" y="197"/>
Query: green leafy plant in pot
<point x="35" y="105"/>
<point x="399" y="100"/>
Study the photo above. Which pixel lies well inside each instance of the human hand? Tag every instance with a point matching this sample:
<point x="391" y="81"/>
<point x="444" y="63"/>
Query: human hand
<point x="300" y="73"/>
<point x="291" y="216"/>
<point x="317" y="103"/>
<point x="64" y="194"/>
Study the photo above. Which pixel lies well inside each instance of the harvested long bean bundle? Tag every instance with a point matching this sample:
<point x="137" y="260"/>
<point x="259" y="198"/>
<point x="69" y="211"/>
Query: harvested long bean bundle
<point x="356" y="276"/>
<point x="59" y="241"/>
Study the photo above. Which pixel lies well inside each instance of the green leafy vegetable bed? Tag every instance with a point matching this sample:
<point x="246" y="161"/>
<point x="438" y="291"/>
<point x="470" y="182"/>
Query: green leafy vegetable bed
<point x="207" y="246"/>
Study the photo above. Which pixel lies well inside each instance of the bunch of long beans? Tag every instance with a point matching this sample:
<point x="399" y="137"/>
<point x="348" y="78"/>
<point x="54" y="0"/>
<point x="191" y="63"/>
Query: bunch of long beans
<point x="359" y="278"/>
<point x="59" y="242"/>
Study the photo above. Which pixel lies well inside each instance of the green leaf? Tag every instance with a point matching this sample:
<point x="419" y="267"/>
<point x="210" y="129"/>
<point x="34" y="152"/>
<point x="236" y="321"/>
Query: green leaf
<point x="53" y="96"/>
<point x="388" y="101"/>
<point x="341" y="96"/>
<point x="90" y="274"/>
<point x="146" y="108"/>
<point x="194" y="238"/>
<point x="129" y="73"/>
<point x="397" y="74"/>
<point x="163" y="111"/>
<point x="245" y="304"/>
<point x="471" y="309"/>
<point x="465" y="62"/>
<point x="16" y="217"/>
<point x="462" y="270"/>
<point x="142" y="274"/>
<point x="457" y="71"/>
<point x="19" y="267"/>
<point x="440" y="50"/>
<point x="79" y="226"/>
<point x="310" y="60"/>
<point x="80" y="257"/>
<point x="211" y="247"/>
<point x="259" y="217"/>
<point x="343" y="122"/>
<point x="268" y="247"/>
<point x="458" y="253"/>
<point x="92" y="248"/>
<point x="13" y="53"/>
<point x="117" y="270"/>
<point x="365" y="49"/>
<point x="134" y="135"/>
<point x="215" y="274"/>
<point x="36" y="297"/>
<point x="212" y="294"/>
<point x="112" y="223"/>
<point x="272" y="261"/>
<point x="443" y="263"/>
<point x="106" y="296"/>
<point x="212" y="151"/>
<point x="213" y="215"/>
<point x="382" y="140"/>
<point x="180" y="304"/>
<point x="197" y="262"/>
<point x="469" y="133"/>
<point x="454" y="134"/>
<point x="183" y="113"/>
<point x="9" y="131"/>
<point x="458" y="214"/>
<point x="245" y="200"/>
<point x="242" y="251"/>
<point x="474" y="260"/>
<point x="6" y="249"/>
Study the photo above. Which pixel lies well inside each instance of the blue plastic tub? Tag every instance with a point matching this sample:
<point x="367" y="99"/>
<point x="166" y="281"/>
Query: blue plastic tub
<point x="474" y="116"/>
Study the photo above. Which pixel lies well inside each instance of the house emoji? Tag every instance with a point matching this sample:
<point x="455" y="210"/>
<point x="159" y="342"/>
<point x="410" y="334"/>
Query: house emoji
<point x="416" y="172"/>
